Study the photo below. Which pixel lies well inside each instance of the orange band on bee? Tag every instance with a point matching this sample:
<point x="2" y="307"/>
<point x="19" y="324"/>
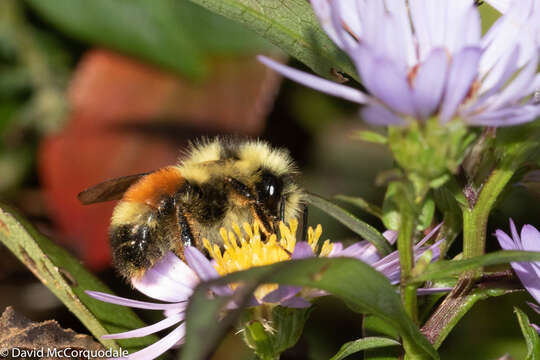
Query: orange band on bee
<point x="153" y="187"/>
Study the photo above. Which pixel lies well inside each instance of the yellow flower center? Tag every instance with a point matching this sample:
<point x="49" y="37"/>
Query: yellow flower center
<point x="245" y="249"/>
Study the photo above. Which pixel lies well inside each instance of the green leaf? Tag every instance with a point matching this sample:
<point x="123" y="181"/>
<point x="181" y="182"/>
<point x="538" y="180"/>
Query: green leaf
<point x="284" y="328"/>
<point x="292" y="26"/>
<point x="446" y="268"/>
<point x="391" y="217"/>
<point x="146" y="29"/>
<point x="216" y="35"/>
<point x="361" y="204"/>
<point x="68" y="279"/>
<point x="371" y="136"/>
<point x="360" y="227"/>
<point x="351" y="280"/>
<point x="355" y="346"/>
<point x="531" y="336"/>
<point x="425" y="218"/>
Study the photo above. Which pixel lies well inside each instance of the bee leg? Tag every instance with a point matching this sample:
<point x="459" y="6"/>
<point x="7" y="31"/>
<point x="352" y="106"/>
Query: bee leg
<point x="185" y="228"/>
<point x="244" y="192"/>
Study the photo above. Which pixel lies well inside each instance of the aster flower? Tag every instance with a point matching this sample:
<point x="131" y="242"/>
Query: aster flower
<point x="423" y="58"/>
<point x="528" y="272"/>
<point x="173" y="281"/>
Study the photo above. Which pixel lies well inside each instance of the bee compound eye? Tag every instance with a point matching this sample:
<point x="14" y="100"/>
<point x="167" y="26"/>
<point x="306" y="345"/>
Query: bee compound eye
<point x="269" y="191"/>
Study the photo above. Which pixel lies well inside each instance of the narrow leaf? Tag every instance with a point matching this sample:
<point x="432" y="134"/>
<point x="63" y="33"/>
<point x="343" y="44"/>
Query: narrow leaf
<point x="360" y="227"/>
<point x="292" y="26"/>
<point x="355" y="346"/>
<point x="445" y="268"/>
<point x="349" y="279"/>
<point x="68" y="279"/>
<point x="361" y="204"/>
<point x="531" y="336"/>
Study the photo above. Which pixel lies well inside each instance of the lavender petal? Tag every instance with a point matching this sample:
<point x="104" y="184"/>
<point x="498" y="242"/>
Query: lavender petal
<point x="200" y="264"/>
<point x="159" y="347"/>
<point x="296" y="302"/>
<point x="302" y="250"/>
<point x="282" y="293"/>
<point x="429" y="82"/>
<point x="113" y="299"/>
<point x="530" y="238"/>
<point x="389" y="84"/>
<point x="379" y="115"/>
<point x="172" y="267"/>
<point x="463" y="71"/>
<point x="516" y="115"/>
<point x="505" y="241"/>
<point x="500" y="5"/>
<point x="535" y="307"/>
<point x="317" y="83"/>
<point x="391" y="236"/>
<point x="528" y="278"/>
<point x="157" y="286"/>
<point x="147" y="330"/>
<point x="515" y="90"/>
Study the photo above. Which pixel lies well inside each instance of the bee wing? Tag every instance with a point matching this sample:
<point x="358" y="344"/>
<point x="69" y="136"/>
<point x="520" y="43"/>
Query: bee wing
<point x="108" y="190"/>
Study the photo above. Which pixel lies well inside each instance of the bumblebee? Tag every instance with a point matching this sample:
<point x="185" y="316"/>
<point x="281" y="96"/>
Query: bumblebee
<point x="218" y="183"/>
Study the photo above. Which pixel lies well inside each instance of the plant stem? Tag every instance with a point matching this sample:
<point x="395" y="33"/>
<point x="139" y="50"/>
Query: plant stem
<point x="406" y="259"/>
<point x="475" y="219"/>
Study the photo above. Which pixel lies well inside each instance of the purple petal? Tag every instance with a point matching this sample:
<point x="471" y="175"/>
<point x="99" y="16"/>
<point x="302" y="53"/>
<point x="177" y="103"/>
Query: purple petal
<point x="205" y="270"/>
<point x="302" y="250"/>
<point x="536" y="327"/>
<point x="518" y="114"/>
<point x="296" y="302"/>
<point x="147" y="330"/>
<point x="422" y="31"/>
<point x="504" y="34"/>
<point x="113" y="299"/>
<point x="501" y="5"/>
<point x="501" y="72"/>
<point x="159" y="347"/>
<point x="428" y="236"/>
<point x="517" y="88"/>
<point x="402" y="38"/>
<point x="175" y="269"/>
<point x="347" y="14"/>
<point x="515" y="235"/>
<point x="505" y="241"/>
<point x="462" y="73"/>
<point x="529" y="279"/>
<point x="200" y="264"/>
<point x="535" y="307"/>
<point x="363" y="250"/>
<point x="316" y="82"/>
<point x="463" y="26"/>
<point x="158" y="286"/>
<point x="379" y="115"/>
<point x="429" y="82"/>
<point x="389" y="84"/>
<point x="391" y="236"/>
<point x="530" y="238"/>
<point x="282" y="293"/>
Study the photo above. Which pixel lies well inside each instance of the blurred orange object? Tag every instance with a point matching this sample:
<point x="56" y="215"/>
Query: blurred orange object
<point x="128" y="117"/>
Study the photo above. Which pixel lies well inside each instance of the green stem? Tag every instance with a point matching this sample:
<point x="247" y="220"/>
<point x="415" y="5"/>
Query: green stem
<point x="406" y="259"/>
<point x="475" y="219"/>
